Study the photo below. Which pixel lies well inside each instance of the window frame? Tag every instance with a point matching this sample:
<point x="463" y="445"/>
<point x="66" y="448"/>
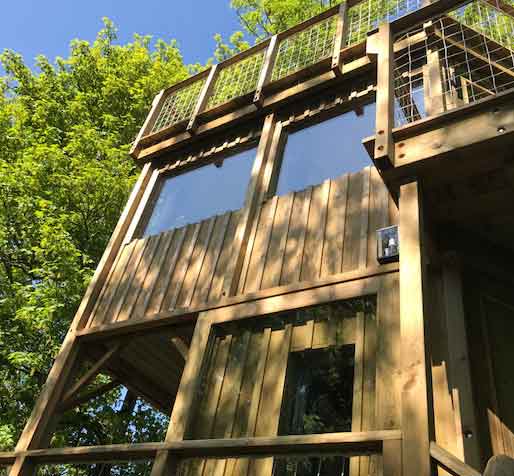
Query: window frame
<point x="293" y="121"/>
<point x="192" y="162"/>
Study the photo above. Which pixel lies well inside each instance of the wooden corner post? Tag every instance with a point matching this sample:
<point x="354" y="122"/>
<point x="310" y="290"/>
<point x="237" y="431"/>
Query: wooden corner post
<point x="380" y="46"/>
<point x="416" y="414"/>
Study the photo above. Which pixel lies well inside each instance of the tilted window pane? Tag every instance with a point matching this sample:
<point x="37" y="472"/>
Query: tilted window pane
<point x="201" y="193"/>
<point x="326" y="150"/>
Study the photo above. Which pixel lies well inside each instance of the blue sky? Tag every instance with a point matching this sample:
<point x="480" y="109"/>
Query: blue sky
<point x="33" y="27"/>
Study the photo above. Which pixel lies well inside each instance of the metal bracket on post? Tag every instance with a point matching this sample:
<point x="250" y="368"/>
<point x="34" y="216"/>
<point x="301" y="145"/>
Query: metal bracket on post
<point x="380" y="45"/>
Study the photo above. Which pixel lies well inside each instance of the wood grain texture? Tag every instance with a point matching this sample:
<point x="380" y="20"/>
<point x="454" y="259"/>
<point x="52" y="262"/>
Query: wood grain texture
<point x="303" y="236"/>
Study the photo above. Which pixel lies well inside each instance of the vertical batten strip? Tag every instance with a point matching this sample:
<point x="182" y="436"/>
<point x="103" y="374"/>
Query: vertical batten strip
<point x="158" y="265"/>
<point x="211" y="259"/>
<point x="197" y="265"/>
<point x="156" y="298"/>
<point x="138" y="282"/>
<point x="364" y="224"/>
<point x="181" y="269"/>
<point x="275" y="256"/>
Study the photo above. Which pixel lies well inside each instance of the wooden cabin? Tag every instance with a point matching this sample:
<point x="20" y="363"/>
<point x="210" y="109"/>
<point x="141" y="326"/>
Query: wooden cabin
<point x="313" y="273"/>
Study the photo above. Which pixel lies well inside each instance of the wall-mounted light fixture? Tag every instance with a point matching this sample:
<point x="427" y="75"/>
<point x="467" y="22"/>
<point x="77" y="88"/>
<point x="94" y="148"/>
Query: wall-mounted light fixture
<point x="388" y="245"/>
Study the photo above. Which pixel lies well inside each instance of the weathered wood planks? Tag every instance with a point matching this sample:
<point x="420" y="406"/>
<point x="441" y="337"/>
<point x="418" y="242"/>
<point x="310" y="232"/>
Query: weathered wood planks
<point x="303" y="236"/>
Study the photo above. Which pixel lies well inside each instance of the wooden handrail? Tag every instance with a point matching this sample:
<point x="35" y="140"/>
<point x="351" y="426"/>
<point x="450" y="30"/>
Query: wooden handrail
<point x="344" y="444"/>
<point x="451" y="463"/>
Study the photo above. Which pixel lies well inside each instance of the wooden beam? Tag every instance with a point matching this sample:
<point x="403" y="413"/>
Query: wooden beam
<point x="459" y="364"/>
<point x="380" y="45"/>
<point x="490" y="120"/>
<point x="267" y="68"/>
<point x="341" y="444"/>
<point x="90" y="374"/>
<point x="253" y="199"/>
<point x="428" y="11"/>
<point x="181" y="317"/>
<point x="340" y="38"/>
<point x="392" y="458"/>
<point x="96" y="392"/>
<point x="450" y="463"/>
<point x="416" y="407"/>
<point x="203" y="98"/>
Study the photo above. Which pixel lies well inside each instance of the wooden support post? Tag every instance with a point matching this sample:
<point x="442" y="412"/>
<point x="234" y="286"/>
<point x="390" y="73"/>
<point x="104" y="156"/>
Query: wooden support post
<point x="380" y="45"/>
<point x="340" y="38"/>
<point x="392" y="458"/>
<point x="433" y="85"/>
<point x="257" y="189"/>
<point x="459" y="365"/>
<point x="417" y="427"/>
<point x="149" y="121"/>
<point x="267" y="68"/>
<point x="90" y="374"/>
<point x="166" y="464"/>
<point x="203" y="98"/>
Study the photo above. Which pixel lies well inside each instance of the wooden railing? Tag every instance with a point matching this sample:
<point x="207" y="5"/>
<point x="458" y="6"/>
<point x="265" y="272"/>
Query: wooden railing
<point x="387" y="443"/>
<point x="451" y="463"/>
<point x="312" y="46"/>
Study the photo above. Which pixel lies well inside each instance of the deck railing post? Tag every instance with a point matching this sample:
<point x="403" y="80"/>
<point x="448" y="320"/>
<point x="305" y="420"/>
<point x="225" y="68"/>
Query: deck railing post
<point x="267" y="68"/>
<point x="203" y="98"/>
<point x="380" y="45"/>
<point x="340" y="38"/>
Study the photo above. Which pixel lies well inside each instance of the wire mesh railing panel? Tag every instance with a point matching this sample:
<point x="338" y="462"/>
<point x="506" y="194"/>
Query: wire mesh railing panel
<point x="486" y="19"/>
<point x="305" y="48"/>
<point x="178" y="106"/>
<point x="369" y="14"/>
<point x="449" y="63"/>
<point x="236" y="80"/>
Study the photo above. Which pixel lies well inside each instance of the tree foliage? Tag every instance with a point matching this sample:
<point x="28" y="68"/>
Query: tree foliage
<point x="64" y="177"/>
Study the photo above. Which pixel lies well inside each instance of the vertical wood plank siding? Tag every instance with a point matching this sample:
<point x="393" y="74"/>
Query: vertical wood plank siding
<point x="303" y="236"/>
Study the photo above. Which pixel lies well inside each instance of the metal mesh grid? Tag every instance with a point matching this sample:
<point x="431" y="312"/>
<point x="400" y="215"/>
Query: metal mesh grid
<point x="179" y="105"/>
<point x="368" y="14"/>
<point x="471" y="65"/>
<point x="486" y="19"/>
<point x="236" y="80"/>
<point x="305" y="48"/>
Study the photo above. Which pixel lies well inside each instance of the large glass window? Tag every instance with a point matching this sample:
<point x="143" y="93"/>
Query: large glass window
<point x="326" y="150"/>
<point x="200" y="193"/>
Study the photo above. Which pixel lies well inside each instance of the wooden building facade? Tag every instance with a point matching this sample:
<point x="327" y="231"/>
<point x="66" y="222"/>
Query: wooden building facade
<point x="252" y="291"/>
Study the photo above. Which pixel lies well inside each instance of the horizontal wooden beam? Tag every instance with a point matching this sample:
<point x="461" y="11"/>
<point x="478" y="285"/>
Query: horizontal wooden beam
<point x="343" y="444"/>
<point x="450" y="463"/>
<point x="186" y="316"/>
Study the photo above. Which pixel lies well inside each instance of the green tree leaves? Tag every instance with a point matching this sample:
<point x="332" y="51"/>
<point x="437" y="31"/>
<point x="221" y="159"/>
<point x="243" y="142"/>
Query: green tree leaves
<point x="64" y="177"/>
